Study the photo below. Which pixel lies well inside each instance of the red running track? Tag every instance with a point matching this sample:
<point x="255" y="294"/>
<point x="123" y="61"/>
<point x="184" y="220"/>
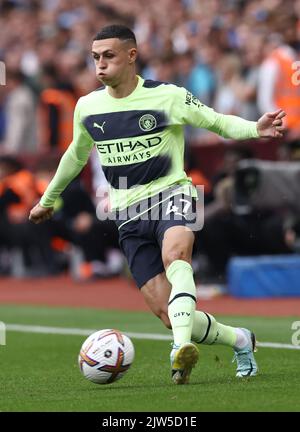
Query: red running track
<point x="120" y="293"/>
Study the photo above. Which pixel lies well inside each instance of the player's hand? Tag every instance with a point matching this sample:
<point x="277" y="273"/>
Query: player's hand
<point x="40" y="214"/>
<point x="270" y="125"/>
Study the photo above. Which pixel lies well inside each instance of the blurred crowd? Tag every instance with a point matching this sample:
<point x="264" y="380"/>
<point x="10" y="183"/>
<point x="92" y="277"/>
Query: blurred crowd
<point x="237" y="56"/>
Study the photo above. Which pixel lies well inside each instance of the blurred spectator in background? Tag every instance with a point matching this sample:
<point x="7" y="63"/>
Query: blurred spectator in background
<point x="74" y="221"/>
<point x="29" y="249"/>
<point x="276" y="87"/>
<point x="161" y="69"/>
<point x="229" y="73"/>
<point x="198" y="78"/>
<point x="20" y="125"/>
<point x="245" y="84"/>
<point x="56" y="108"/>
<point x="18" y="189"/>
<point x="185" y="42"/>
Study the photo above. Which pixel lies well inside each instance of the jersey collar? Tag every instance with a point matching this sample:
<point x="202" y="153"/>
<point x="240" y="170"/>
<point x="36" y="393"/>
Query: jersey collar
<point x="131" y="95"/>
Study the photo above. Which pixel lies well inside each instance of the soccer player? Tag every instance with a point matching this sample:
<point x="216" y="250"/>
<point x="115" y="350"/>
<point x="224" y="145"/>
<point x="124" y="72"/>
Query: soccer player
<point x="137" y="128"/>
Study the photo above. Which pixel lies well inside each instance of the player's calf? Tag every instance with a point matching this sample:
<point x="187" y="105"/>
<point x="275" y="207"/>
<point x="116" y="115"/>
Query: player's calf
<point x="206" y="330"/>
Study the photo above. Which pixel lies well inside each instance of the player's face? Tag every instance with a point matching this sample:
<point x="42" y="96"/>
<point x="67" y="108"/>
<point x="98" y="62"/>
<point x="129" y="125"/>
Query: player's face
<point x="113" y="58"/>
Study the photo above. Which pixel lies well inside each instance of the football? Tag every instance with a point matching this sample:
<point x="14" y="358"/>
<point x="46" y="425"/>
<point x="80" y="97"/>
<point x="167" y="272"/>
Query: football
<point x="106" y="356"/>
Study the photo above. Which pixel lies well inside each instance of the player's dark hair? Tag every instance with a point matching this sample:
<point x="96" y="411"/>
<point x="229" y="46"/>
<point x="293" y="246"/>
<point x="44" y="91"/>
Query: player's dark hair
<point x="118" y="31"/>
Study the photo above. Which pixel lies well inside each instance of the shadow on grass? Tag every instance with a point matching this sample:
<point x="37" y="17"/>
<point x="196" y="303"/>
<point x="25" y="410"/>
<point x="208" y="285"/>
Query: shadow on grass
<point x="207" y="381"/>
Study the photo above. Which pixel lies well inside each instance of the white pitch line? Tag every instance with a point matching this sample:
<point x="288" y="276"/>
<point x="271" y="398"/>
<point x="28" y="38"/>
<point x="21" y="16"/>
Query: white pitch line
<point x="277" y="345"/>
<point x="78" y="332"/>
<point x="150" y="336"/>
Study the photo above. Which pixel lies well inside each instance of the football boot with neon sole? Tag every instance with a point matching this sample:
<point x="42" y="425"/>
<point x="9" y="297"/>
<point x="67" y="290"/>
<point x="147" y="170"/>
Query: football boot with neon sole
<point x="183" y="359"/>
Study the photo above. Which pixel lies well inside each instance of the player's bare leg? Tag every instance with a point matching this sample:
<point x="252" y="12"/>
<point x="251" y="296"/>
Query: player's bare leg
<point x="156" y="293"/>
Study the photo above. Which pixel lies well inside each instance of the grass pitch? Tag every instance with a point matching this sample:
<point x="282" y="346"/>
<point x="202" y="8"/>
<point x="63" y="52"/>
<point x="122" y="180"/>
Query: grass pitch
<point x="39" y="372"/>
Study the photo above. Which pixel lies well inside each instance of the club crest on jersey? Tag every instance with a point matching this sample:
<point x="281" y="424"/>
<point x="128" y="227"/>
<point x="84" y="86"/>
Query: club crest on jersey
<point x="147" y="122"/>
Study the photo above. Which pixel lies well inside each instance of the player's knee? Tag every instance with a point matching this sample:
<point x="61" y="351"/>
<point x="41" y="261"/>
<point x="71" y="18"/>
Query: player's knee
<point x="178" y="253"/>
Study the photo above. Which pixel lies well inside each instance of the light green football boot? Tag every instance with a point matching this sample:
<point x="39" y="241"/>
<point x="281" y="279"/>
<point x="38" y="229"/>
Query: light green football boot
<point x="183" y="359"/>
<point x="246" y="363"/>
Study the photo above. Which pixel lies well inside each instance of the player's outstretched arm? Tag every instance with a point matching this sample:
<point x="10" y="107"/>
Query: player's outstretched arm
<point x="40" y="214"/>
<point x="188" y="109"/>
<point x="270" y="125"/>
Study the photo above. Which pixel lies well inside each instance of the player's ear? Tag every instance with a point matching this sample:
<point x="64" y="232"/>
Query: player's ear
<point x="132" y="55"/>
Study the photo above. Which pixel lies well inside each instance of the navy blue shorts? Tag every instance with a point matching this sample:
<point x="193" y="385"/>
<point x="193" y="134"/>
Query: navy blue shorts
<point x="141" y="237"/>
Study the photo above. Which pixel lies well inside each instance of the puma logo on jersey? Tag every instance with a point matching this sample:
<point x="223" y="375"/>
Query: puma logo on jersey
<point x="99" y="127"/>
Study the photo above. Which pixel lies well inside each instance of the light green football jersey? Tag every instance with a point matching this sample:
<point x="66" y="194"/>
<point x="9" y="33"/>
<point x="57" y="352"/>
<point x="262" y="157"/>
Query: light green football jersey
<point x="139" y="140"/>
